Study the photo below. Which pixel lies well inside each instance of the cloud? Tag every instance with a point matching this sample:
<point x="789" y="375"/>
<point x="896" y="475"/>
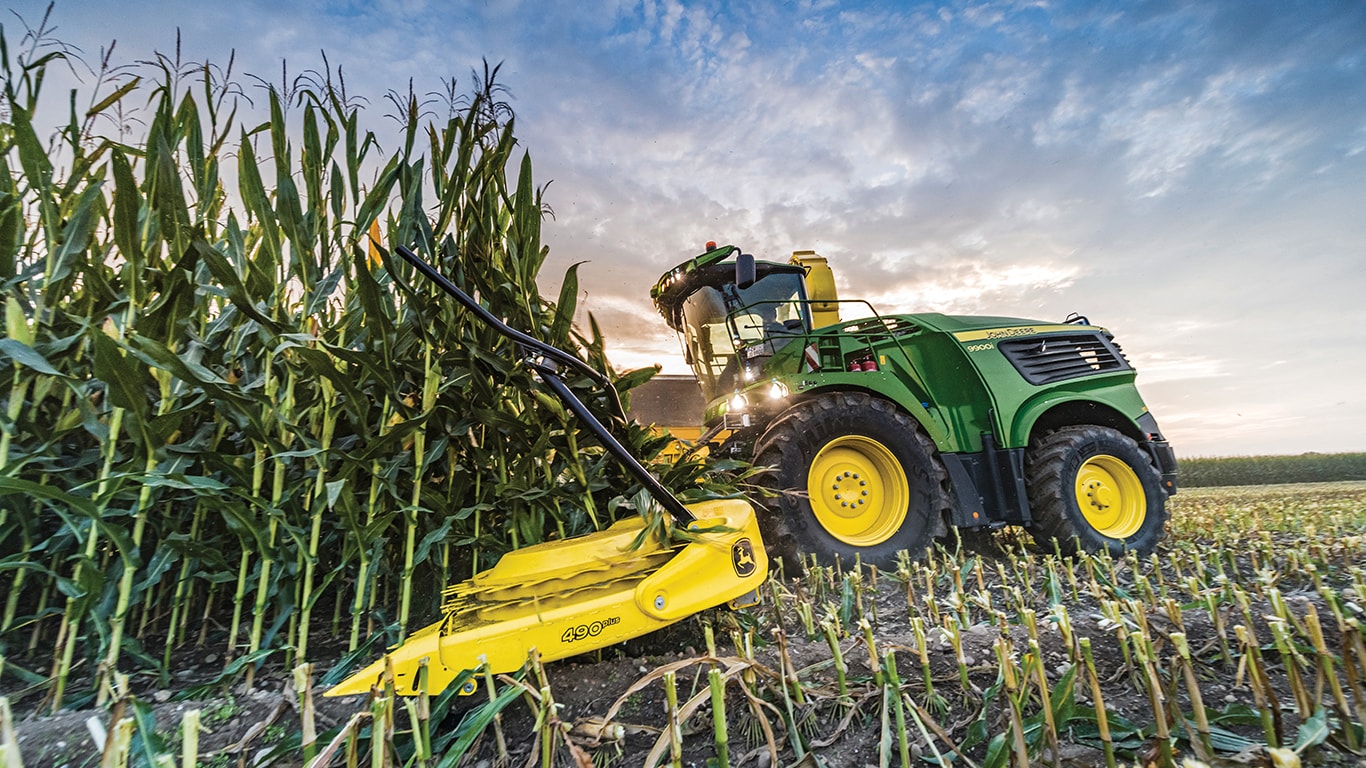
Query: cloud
<point x="1163" y="366"/>
<point x="1166" y="136"/>
<point x="970" y="286"/>
<point x="1188" y="174"/>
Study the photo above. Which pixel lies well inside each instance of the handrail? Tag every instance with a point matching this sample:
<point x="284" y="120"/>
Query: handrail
<point x="863" y="335"/>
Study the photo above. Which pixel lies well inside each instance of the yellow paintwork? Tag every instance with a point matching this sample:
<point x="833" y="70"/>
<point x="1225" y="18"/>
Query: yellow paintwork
<point x="685" y="440"/>
<point x="1111" y="497"/>
<point x="564" y="598"/>
<point x="858" y="490"/>
<point x="820" y="288"/>
<point x="1011" y="332"/>
<point x="684" y="437"/>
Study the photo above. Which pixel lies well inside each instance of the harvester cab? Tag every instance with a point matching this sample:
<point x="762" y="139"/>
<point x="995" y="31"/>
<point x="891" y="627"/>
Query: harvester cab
<point x="883" y="431"/>
<point x="564" y="598"/>
<point x="735" y="315"/>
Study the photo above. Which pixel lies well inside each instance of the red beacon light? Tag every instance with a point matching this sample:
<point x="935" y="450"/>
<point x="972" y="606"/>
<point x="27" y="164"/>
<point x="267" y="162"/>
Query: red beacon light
<point x="711" y="245"/>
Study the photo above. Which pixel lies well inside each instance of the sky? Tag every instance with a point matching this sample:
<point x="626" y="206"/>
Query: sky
<point x="1191" y="176"/>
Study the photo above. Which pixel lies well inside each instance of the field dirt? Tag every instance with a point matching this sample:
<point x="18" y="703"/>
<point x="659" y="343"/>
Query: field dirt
<point x="621" y="685"/>
<point x="242" y="726"/>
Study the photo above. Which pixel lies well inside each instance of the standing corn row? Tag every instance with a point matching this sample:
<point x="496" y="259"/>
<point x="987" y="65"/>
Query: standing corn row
<point x="218" y="403"/>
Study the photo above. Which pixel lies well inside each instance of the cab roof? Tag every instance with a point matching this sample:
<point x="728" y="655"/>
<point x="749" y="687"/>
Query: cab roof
<point x="714" y="268"/>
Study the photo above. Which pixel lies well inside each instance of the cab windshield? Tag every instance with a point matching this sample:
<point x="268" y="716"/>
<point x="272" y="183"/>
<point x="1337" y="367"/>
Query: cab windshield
<point x="757" y="320"/>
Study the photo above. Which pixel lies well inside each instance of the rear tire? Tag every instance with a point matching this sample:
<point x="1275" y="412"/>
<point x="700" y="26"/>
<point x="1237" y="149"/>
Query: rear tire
<point x="1094" y="488"/>
<point x="855" y="478"/>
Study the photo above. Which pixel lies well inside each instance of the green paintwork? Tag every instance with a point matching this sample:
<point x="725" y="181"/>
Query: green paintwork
<point x="947" y="372"/>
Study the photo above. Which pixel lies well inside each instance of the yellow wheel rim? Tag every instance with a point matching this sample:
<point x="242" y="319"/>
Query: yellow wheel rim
<point x="1111" y="497"/>
<point x="858" y="490"/>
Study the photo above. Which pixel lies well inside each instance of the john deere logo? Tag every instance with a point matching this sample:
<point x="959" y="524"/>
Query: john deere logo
<point x="742" y="557"/>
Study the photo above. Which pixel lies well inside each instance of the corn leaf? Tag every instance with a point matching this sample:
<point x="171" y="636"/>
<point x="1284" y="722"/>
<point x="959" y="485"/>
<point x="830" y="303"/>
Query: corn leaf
<point x="24" y="355"/>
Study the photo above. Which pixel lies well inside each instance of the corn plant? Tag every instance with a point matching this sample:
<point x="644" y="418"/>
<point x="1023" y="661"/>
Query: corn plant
<point x="222" y="398"/>
<point x="229" y="419"/>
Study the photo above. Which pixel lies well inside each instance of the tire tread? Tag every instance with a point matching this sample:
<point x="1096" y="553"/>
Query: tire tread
<point x="781" y="444"/>
<point x="1045" y="471"/>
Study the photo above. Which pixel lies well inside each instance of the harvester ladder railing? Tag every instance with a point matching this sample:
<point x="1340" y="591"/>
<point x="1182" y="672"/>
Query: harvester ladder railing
<point x="862" y="336"/>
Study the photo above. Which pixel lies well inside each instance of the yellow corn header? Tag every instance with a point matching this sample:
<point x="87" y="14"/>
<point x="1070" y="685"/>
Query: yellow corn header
<point x="564" y="598"/>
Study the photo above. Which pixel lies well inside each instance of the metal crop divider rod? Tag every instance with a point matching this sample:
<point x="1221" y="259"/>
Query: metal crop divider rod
<point x="547" y="361"/>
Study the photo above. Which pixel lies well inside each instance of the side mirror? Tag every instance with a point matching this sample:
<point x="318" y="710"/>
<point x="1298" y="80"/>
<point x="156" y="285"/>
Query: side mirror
<point x="745" y="272"/>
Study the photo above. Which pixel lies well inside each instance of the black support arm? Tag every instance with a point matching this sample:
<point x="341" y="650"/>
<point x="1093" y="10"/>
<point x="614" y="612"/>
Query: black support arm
<point x="548" y="361"/>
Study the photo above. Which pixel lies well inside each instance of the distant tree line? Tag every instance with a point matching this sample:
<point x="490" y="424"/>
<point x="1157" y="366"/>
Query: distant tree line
<point x="1269" y="470"/>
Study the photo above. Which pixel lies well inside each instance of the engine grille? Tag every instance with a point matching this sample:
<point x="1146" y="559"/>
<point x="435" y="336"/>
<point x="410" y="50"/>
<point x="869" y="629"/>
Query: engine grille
<point x="1048" y="359"/>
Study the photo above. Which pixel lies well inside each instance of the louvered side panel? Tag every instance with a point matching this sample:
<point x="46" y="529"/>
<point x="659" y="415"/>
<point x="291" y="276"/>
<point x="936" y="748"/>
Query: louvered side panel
<point x="1048" y="359"/>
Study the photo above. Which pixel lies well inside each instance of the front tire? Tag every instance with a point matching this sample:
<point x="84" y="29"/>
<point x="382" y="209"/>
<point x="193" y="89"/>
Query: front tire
<point x="855" y="478"/>
<point x="1094" y="488"/>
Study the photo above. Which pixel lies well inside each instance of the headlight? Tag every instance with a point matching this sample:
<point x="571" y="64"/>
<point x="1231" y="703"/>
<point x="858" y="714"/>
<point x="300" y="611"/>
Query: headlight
<point x="778" y="391"/>
<point x="738" y="403"/>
